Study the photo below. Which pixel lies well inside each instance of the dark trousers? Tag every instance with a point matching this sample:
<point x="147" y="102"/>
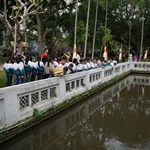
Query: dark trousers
<point x="46" y="76"/>
<point x="40" y="75"/>
<point x="18" y="79"/>
<point x="28" y="77"/>
<point x="33" y="76"/>
<point x="9" y="79"/>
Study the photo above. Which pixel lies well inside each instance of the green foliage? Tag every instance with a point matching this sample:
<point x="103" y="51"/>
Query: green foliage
<point x="83" y="84"/>
<point x="36" y="113"/>
<point x="141" y="4"/>
<point x="1" y="53"/>
<point x="81" y="30"/>
<point x="102" y="37"/>
<point x="106" y="38"/>
<point x="3" y="79"/>
<point x="54" y="95"/>
<point x="60" y="16"/>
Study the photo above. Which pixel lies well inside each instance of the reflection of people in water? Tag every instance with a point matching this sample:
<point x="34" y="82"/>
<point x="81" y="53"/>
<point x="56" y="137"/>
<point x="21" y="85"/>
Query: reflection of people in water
<point x="118" y="96"/>
<point x="133" y="86"/>
<point x="143" y="90"/>
<point x="103" y="111"/>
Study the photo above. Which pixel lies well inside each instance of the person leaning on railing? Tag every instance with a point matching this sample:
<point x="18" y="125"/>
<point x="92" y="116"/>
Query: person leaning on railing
<point x="59" y="71"/>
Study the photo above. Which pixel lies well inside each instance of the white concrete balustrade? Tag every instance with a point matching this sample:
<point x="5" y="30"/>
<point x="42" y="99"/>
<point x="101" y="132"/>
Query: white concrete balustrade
<point x="55" y="130"/>
<point x="17" y="102"/>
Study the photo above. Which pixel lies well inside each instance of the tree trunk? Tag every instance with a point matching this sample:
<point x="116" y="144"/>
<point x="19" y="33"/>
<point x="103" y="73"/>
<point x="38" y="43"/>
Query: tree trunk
<point x="19" y="44"/>
<point x="17" y="40"/>
<point x="4" y="40"/>
<point x="39" y="32"/>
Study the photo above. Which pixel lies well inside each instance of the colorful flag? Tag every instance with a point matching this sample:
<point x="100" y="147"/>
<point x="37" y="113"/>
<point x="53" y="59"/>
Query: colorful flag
<point x="74" y="52"/>
<point x="105" y="53"/>
<point x="120" y="54"/>
<point x="145" y="56"/>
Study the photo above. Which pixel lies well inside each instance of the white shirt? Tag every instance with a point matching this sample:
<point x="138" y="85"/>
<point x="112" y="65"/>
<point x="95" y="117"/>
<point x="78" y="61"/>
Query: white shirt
<point x="92" y="65"/>
<point x="55" y="64"/>
<point x="84" y="67"/>
<point x="79" y="67"/>
<point x="88" y="65"/>
<point x="78" y="58"/>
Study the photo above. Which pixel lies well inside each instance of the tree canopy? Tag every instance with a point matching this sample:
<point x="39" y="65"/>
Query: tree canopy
<point x="52" y="22"/>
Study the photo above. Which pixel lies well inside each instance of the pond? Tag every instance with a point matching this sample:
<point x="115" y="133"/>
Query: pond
<point x="116" y="118"/>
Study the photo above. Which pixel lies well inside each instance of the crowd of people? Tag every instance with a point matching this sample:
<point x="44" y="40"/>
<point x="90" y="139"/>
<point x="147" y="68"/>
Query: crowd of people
<point x="21" y="68"/>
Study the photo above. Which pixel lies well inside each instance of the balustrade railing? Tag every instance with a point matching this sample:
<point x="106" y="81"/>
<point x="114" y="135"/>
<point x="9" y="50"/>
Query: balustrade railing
<point x="142" y="66"/>
<point x="17" y="102"/>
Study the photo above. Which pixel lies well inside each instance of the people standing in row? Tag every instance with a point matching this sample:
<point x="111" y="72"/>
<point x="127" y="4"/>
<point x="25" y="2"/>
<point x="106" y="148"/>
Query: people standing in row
<point x="40" y="68"/>
<point x="24" y="67"/>
<point x="7" y="68"/>
<point x="28" y="68"/>
<point x="49" y="67"/>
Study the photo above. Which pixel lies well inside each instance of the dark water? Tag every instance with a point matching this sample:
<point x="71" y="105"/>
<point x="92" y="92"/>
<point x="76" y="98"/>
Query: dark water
<point x="118" y="118"/>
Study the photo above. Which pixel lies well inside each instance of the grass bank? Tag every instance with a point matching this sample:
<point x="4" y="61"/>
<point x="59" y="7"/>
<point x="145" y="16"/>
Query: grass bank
<point x="3" y="79"/>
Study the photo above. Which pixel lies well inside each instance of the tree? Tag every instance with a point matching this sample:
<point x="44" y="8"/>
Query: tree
<point x="52" y="19"/>
<point x="120" y="12"/>
<point x="16" y="21"/>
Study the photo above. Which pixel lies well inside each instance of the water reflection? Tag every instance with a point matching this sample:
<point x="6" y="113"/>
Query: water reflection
<point x="116" y="118"/>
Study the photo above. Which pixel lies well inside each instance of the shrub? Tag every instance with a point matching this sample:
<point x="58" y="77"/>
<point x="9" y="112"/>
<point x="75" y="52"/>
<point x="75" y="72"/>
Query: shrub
<point x="36" y="113"/>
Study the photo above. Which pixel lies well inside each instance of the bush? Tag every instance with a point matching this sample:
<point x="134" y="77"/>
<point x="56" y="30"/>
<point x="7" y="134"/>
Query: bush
<point x="1" y="54"/>
<point x="36" y="113"/>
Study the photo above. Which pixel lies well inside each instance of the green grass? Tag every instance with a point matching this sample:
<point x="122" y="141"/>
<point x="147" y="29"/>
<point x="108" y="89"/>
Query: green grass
<point x="3" y="79"/>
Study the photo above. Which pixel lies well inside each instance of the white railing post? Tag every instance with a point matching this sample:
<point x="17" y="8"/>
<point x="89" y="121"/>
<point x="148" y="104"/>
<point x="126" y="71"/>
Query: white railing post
<point x="62" y="88"/>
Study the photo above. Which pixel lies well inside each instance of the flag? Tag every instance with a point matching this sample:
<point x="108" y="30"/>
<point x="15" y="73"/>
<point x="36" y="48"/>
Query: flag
<point x="145" y="56"/>
<point x="105" y="53"/>
<point x="74" y="52"/>
<point x="120" y="54"/>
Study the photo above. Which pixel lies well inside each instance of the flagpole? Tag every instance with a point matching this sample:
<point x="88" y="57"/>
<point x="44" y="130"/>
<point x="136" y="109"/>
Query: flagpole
<point x="142" y="34"/>
<point x="75" y="31"/>
<point x="95" y="30"/>
<point x="106" y="14"/>
<point x="130" y="27"/>
<point x="87" y="26"/>
<point x="121" y="46"/>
